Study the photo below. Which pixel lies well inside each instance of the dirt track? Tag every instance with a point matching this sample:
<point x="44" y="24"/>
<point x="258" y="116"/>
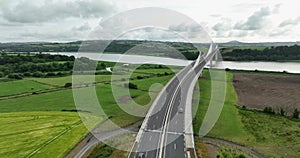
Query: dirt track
<point x="261" y="90"/>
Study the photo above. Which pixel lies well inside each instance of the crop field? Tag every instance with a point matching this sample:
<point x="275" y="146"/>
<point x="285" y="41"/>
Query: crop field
<point x="273" y="135"/>
<point x="21" y="86"/>
<point x="39" y="134"/>
<point x="258" y="90"/>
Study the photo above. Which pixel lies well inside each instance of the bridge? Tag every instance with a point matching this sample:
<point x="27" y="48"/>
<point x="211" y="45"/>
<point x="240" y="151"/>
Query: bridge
<point x="167" y="130"/>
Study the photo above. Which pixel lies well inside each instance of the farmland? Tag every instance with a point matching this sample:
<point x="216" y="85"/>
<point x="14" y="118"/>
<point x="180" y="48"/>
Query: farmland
<point x="19" y="87"/>
<point x="39" y="125"/>
<point x="273" y="135"/>
<point x="39" y="134"/>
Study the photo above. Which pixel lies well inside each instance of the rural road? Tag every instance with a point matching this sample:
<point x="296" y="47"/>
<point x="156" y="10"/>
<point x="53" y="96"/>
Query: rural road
<point x="97" y="138"/>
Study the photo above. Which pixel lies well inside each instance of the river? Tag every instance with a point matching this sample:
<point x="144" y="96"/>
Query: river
<point x="291" y="67"/>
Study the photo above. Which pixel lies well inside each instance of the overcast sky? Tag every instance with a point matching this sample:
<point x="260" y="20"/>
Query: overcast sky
<point x="71" y="20"/>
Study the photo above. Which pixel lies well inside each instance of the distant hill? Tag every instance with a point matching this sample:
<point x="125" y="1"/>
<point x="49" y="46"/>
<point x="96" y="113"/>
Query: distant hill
<point x="263" y="44"/>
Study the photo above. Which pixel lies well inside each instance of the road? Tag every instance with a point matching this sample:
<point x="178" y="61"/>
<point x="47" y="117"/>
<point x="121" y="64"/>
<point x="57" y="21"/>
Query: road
<point x="162" y="133"/>
<point x="97" y="138"/>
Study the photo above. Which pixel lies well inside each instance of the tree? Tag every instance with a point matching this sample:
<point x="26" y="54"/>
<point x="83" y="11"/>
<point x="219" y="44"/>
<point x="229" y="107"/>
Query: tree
<point x="269" y="110"/>
<point x="38" y="74"/>
<point x="282" y="112"/>
<point x="296" y="114"/>
<point x="15" y="76"/>
<point x="1" y="74"/>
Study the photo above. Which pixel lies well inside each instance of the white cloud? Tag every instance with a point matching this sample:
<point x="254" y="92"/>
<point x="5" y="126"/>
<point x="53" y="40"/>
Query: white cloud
<point x="49" y="10"/>
<point x="289" y="22"/>
<point x="256" y="21"/>
<point x="67" y="20"/>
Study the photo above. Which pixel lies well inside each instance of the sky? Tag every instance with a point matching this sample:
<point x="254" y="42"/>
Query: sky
<point x="73" y="20"/>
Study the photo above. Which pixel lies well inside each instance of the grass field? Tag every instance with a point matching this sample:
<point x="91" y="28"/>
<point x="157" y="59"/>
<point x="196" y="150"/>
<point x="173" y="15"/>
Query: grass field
<point x="276" y="136"/>
<point x="155" y="71"/>
<point x="35" y="126"/>
<point x="60" y="81"/>
<point x="21" y="86"/>
<point x="273" y="135"/>
<point x="63" y="100"/>
<point x="229" y="125"/>
<point x="39" y="134"/>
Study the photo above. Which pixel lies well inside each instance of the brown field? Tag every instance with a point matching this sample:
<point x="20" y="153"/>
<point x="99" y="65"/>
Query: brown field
<point x="261" y="90"/>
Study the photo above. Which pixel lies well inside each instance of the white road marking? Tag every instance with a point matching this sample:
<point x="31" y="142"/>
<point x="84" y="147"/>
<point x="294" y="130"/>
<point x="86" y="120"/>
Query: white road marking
<point x="176" y="122"/>
<point x="150" y="138"/>
<point x="175" y="146"/>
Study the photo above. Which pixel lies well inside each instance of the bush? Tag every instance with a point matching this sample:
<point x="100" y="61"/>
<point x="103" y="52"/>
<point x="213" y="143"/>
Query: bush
<point x="269" y="110"/>
<point x="50" y="74"/>
<point x="67" y="85"/>
<point x="227" y="69"/>
<point x="140" y="77"/>
<point x="38" y="74"/>
<point x="296" y="114"/>
<point x="282" y="112"/>
<point x="130" y="85"/>
<point x="2" y="74"/>
<point x="16" y="76"/>
<point x="27" y="74"/>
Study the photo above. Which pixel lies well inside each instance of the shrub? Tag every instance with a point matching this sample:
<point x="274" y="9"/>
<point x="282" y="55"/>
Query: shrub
<point x="282" y="112"/>
<point x="140" y="77"/>
<point x="27" y="74"/>
<point x="296" y="113"/>
<point x="130" y="85"/>
<point x="38" y="74"/>
<point x="269" y="110"/>
<point x="67" y="85"/>
<point x="1" y="74"/>
<point x="50" y="74"/>
<point x="16" y="76"/>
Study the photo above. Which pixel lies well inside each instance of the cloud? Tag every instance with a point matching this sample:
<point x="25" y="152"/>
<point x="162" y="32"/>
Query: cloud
<point x="223" y="28"/>
<point x="288" y="22"/>
<point x="256" y="21"/>
<point x="84" y="27"/>
<point x="24" y="11"/>
<point x="278" y="32"/>
<point x="189" y="31"/>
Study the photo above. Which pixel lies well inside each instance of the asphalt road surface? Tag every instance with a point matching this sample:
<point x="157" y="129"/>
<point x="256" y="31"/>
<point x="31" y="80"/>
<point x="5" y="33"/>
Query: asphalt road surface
<point x="163" y="135"/>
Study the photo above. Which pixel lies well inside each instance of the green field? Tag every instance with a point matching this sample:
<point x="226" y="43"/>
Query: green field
<point x="39" y="134"/>
<point x="273" y="135"/>
<point x="155" y="71"/>
<point x="229" y="125"/>
<point x="21" y="86"/>
<point x="46" y="131"/>
<point x="61" y="81"/>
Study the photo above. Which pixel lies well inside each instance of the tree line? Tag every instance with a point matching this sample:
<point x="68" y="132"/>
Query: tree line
<point x="17" y="66"/>
<point x="280" y="53"/>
